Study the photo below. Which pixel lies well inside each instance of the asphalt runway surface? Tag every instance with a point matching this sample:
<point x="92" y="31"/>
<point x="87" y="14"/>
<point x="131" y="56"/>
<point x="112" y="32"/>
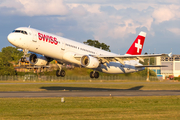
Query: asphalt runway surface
<point x="89" y="93"/>
<point x="56" y="91"/>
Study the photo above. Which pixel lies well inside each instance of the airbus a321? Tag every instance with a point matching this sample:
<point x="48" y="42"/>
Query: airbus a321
<point x="65" y="51"/>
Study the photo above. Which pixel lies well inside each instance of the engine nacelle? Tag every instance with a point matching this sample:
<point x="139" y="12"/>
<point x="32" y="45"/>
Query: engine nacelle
<point x="89" y="61"/>
<point x="36" y="59"/>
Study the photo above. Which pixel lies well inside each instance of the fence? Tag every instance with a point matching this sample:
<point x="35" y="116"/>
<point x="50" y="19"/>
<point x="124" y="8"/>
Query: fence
<point x="52" y="78"/>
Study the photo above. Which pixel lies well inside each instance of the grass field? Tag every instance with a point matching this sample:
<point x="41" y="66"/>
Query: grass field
<point x="102" y="108"/>
<point x="84" y="85"/>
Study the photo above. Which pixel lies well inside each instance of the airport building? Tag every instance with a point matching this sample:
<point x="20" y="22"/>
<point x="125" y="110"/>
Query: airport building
<point x="157" y="70"/>
<point x="173" y="64"/>
<point x="172" y="69"/>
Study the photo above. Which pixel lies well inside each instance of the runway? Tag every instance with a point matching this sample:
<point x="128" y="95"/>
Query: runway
<point x="64" y="91"/>
<point x="90" y="93"/>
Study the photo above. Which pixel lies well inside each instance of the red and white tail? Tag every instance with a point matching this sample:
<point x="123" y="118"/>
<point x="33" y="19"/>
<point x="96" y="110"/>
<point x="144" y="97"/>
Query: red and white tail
<point x="137" y="46"/>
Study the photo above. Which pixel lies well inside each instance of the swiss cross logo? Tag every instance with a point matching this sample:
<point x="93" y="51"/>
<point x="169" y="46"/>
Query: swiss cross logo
<point x="138" y="45"/>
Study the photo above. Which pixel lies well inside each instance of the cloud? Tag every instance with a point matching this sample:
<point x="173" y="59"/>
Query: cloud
<point x="162" y="14"/>
<point x="93" y="8"/>
<point x="108" y="21"/>
<point x="79" y="11"/>
<point x="36" y="7"/>
<point x="176" y="31"/>
<point x="113" y="23"/>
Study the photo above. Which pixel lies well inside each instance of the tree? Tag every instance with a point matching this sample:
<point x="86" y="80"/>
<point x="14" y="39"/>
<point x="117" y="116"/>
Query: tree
<point x="7" y="57"/>
<point x="6" y="68"/>
<point x="152" y="61"/>
<point x="97" y="44"/>
<point x="12" y="54"/>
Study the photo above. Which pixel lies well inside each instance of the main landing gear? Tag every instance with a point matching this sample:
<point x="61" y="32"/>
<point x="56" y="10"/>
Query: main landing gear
<point x="60" y="72"/>
<point x="94" y="74"/>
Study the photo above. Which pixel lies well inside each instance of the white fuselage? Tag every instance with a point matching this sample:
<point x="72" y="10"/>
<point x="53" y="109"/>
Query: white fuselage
<point x="63" y="50"/>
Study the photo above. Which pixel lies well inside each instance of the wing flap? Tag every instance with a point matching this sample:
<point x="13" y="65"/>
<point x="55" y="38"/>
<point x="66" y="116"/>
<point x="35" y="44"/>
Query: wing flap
<point x="130" y="56"/>
<point x="122" y="58"/>
<point x="141" y="66"/>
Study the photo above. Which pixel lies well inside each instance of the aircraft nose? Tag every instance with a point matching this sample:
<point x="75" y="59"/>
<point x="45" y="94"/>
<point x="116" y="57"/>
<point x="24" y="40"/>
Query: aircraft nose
<point x="11" y="38"/>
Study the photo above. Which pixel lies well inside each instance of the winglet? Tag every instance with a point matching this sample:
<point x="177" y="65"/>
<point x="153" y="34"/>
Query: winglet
<point x="137" y="46"/>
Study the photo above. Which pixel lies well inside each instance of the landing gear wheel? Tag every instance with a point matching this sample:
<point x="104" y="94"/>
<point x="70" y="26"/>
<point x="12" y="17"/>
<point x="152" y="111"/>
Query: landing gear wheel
<point x="23" y="59"/>
<point x="94" y="74"/>
<point x="61" y="73"/>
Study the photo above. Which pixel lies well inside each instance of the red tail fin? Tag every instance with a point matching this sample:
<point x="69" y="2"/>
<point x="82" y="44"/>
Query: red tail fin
<point x="137" y="46"/>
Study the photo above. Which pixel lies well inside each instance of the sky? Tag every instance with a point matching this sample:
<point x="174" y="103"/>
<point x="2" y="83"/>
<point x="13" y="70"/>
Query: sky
<point x="113" y="22"/>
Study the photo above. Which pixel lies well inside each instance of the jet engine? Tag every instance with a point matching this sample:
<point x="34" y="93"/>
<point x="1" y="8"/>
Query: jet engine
<point x="36" y="59"/>
<point x="89" y="61"/>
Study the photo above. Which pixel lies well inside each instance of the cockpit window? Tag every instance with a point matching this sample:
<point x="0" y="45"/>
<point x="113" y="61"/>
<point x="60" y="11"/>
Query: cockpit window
<point x="20" y="31"/>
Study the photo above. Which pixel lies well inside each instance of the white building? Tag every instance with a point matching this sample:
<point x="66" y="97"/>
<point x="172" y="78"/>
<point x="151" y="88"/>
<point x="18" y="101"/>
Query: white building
<point x="173" y="64"/>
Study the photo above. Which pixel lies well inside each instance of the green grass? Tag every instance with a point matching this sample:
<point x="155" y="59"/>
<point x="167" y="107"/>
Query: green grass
<point x="116" y="108"/>
<point x="75" y="108"/>
<point x="81" y="85"/>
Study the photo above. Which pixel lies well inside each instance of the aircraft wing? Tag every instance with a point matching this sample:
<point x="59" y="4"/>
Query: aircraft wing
<point x="120" y="58"/>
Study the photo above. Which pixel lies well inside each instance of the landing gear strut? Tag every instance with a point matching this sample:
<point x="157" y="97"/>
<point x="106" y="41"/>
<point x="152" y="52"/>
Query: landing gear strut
<point x="23" y="58"/>
<point x="94" y="74"/>
<point x="60" y="72"/>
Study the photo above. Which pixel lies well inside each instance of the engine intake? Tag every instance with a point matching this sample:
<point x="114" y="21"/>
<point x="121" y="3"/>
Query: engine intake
<point x="35" y="59"/>
<point x="89" y="61"/>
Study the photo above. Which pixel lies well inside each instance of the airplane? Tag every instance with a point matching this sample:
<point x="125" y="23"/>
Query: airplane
<point x="65" y="51"/>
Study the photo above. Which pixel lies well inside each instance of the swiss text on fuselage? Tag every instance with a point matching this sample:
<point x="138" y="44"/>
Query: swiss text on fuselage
<point x="47" y="38"/>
